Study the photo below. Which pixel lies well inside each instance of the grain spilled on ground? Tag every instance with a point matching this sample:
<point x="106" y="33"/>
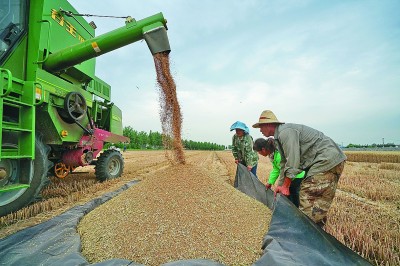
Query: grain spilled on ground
<point x="177" y="213"/>
<point x="170" y="111"/>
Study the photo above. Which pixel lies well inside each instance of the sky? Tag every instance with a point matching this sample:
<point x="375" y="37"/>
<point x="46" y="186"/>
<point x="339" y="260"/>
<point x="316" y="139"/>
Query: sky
<point x="331" y="65"/>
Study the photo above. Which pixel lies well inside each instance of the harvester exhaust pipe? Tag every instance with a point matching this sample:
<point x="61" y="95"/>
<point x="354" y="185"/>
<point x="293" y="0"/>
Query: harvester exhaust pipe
<point x="157" y="40"/>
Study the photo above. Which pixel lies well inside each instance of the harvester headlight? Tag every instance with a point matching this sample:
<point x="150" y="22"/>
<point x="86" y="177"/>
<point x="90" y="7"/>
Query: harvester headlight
<point x="64" y="133"/>
<point x="38" y="93"/>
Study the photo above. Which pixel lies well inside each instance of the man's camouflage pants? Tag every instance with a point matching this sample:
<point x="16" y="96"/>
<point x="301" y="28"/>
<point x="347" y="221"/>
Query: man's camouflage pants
<point x="317" y="193"/>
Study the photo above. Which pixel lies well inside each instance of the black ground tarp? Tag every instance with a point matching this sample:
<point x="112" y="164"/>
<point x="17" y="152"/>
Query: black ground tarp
<point x="55" y="242"/>
<point x="292" y="239"/>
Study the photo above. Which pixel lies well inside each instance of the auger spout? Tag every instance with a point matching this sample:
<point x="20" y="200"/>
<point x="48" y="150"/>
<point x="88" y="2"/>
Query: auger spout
<point x="156" y="38"/>
<point x="152" y="29"/>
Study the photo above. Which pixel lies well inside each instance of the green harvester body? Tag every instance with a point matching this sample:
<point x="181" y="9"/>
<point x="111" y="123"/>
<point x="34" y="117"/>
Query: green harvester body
<point x="54" y="109"/>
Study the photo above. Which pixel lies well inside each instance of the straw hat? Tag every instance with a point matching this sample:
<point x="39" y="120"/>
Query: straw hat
<point x="267" y="117"/>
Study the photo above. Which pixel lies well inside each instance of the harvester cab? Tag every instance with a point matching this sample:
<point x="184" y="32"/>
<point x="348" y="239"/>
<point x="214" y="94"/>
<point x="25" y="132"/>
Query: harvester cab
<point x="56" y="113"/>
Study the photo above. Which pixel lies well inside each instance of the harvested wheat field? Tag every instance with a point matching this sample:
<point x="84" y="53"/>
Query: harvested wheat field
<point x="365" y="214"/>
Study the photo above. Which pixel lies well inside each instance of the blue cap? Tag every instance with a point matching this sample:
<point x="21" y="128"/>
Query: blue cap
<point x="240" y="125"/>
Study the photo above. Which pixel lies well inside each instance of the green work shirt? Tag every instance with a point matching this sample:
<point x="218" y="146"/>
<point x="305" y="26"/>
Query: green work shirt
<point x="276" y="168"/>
<point x="305" y="149"/>
<point x="242" y="150"/>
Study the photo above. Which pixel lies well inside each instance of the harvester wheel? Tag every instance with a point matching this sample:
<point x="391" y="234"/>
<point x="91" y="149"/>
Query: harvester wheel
<point x="109" y="165"/>
<point x="24" y="171"/>
<point x="61" y="170"/>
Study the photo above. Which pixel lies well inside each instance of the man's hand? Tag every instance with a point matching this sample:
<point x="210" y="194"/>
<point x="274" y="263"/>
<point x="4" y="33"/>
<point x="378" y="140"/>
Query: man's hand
<point x="249" y="168"/>
<point x="268" y="186"/>
<point x="284" y="189"/>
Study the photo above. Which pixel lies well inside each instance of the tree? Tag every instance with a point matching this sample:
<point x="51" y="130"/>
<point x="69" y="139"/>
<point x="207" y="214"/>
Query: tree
<point x="154" y="140"/>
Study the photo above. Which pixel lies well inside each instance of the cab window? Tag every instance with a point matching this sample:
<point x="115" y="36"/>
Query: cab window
<point x="12" y="24"/>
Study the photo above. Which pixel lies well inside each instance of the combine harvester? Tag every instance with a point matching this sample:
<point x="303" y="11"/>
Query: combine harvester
<point x="56" y="114"/>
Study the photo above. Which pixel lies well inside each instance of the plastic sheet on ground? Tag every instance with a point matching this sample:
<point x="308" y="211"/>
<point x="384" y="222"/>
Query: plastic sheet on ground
<point x="54" y="242"/>
<point x="57" y="242"/>
<point x="292" y="238"/>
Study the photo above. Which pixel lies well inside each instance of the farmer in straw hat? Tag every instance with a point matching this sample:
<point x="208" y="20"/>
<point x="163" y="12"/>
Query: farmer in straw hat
<point x="242" y="147"/>
<point x="305" y="149"/>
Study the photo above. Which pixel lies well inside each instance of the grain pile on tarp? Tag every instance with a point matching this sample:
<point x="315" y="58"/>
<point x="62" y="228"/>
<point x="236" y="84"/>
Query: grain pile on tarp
<point x="179" y="213"/>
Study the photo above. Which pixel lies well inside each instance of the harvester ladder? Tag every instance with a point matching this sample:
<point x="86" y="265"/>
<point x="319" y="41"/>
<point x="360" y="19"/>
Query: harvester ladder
<point x="17" y="100"/>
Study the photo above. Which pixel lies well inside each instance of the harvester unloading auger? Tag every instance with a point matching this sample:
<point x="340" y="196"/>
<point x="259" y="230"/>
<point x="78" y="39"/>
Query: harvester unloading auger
<point x="56" y="114"/>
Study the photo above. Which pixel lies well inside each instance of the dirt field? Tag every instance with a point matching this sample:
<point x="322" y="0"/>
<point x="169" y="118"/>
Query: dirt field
<point x="365" y="214"/>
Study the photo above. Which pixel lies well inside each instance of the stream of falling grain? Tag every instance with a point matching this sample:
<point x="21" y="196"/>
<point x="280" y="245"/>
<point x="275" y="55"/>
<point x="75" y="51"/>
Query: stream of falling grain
<point x="170" y="111"/>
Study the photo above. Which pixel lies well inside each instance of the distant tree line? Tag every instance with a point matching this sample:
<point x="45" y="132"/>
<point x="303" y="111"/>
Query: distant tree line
<point x="386" y="145"/>
<point x="153" y="140"/>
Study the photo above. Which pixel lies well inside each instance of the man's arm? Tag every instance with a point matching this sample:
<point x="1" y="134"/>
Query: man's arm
<point x="289" y="141"/>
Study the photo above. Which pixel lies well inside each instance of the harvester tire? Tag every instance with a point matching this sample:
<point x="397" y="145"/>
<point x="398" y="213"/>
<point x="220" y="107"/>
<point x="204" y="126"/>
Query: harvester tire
<point x="109" y="165"/>
<point x="14" y="200"/>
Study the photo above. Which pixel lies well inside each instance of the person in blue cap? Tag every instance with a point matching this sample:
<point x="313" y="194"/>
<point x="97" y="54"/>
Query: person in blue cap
<point x="242" y="147"/>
